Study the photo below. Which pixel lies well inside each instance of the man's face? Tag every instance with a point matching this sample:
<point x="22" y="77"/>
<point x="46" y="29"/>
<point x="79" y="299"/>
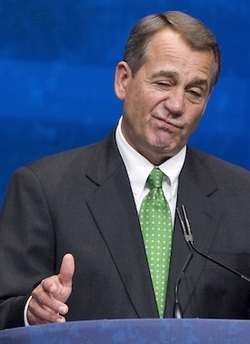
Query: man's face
<point x="165" y="100"/>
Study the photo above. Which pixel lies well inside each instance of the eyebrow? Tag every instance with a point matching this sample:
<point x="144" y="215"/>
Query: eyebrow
<point x="200" y="82"/>
<point x="168" y="74"/>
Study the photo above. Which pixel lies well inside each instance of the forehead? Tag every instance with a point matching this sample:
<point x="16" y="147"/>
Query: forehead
<point x="167" y="47"/>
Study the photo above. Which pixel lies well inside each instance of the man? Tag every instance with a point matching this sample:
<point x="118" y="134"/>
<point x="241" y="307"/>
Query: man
<point x="70" y="236"/>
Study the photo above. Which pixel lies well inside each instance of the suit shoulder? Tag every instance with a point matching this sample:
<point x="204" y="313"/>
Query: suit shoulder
<point x="63" y="159"/>
<point x="218" y="167"/>
<point x="59" y="165"/>
<point x="72" y="163"/>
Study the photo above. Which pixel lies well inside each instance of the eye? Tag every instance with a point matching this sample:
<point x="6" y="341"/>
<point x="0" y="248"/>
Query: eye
<point x="163" y="84"/>
<point x="194" y="94"/>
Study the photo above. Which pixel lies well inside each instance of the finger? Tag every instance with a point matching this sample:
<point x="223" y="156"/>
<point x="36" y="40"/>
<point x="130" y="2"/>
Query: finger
<point x="67" y="270"/>
<point x="38" y="314"/>
<point x="44" y="298"/>
<point x="50" y="285"/>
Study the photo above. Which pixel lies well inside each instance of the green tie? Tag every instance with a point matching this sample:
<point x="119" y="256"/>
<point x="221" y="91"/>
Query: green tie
<point x="156" y="224"/>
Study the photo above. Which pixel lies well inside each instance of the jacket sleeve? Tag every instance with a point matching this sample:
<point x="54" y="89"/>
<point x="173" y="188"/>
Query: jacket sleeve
<point x="27" y="245"/>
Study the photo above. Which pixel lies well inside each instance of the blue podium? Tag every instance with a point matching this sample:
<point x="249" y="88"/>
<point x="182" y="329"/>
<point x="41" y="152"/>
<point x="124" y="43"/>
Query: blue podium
<point x="139" y="331"/>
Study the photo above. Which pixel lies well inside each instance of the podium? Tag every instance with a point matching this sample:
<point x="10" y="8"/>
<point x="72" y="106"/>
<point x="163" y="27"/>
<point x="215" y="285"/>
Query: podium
<point x="139" y="331"/>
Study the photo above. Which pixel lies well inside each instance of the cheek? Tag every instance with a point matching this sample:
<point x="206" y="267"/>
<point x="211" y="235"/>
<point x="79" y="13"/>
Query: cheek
<point x="138" y="107"/>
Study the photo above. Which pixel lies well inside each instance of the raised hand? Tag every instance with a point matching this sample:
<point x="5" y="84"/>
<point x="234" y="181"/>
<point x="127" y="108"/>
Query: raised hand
<point x="47" y="304"/>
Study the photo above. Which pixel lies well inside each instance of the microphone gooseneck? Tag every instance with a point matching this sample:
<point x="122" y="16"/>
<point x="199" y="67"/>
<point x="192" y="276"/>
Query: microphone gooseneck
<point x="177" y="307"/>
<point x="185" y="225"/>
<point x="189" y="239"/>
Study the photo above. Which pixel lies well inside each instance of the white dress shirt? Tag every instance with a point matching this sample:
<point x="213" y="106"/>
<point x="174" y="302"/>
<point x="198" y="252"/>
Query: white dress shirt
<point x="138" y="169"/>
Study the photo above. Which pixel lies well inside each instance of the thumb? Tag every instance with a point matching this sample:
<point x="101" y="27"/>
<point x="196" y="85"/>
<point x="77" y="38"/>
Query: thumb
<point x="67" y="270"/>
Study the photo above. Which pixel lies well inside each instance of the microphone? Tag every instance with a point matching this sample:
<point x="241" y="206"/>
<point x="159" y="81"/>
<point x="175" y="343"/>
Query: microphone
<point x="185" y="225"/>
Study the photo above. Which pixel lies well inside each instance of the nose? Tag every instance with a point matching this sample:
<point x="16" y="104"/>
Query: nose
<point x="175" y="102"/>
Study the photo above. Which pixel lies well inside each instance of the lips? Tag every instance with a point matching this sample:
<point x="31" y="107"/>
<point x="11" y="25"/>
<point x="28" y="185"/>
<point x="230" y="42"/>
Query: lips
<point x="168" y="122"/>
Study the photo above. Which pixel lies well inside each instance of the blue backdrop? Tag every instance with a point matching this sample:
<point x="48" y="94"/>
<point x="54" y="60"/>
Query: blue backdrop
<point x="57" y="61"/>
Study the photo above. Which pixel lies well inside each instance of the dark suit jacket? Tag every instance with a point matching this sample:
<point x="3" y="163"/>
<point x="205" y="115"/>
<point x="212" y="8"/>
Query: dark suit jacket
<point x="81" y="202"/>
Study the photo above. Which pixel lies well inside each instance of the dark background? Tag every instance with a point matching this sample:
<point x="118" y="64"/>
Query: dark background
<point x="57" y="61"/>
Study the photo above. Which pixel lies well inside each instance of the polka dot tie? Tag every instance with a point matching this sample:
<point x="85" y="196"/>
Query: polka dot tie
<point x="156" y="224"/>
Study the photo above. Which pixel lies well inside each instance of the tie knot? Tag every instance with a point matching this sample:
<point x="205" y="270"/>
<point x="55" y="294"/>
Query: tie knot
<point x="155" y="178"/>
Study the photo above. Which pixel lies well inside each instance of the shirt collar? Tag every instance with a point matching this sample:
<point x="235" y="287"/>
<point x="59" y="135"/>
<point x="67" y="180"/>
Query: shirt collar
<point x="138" y="167"/>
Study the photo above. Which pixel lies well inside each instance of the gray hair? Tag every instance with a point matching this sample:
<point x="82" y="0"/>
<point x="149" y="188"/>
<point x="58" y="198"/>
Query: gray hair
<point x="192" y="30"/>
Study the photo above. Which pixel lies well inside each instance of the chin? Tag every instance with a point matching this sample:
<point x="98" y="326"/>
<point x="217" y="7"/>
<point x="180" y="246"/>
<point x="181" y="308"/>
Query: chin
<point x="162" y="143"/>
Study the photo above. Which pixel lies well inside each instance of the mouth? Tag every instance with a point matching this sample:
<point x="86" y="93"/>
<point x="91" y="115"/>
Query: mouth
<point x="167" y="123"/>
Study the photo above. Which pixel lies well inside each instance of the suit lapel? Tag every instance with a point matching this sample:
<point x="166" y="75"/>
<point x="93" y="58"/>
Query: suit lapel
<point x="196" y="186"/>
<point x="113" y="208"/>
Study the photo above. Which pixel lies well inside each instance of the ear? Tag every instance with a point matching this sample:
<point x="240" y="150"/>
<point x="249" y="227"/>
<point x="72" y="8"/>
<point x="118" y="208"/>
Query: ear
<point x="122" y="77"/>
